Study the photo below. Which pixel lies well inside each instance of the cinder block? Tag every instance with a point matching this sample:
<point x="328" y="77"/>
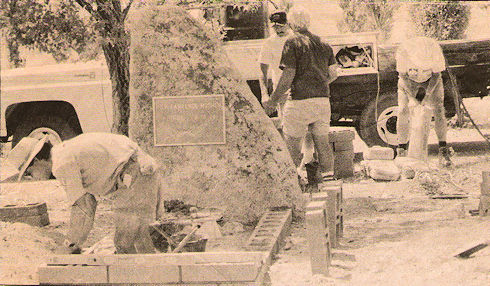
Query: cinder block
<point x="35" y="214"/>
<point x="162" y="273"/>
<point x="379" y="153"/>
<point x="278" y="223"/>
<point x="26" y="210"/>
<point x="321" y="196"/>
<point x="316" y="205"/>
<point x="65" y="275"/>
<point x="318" y="242"/>
<point x="343" y="146"/>
<point x="36" y="220"/>
<point x="344" y="164"/>
<point x="341" y="135"/>
<point x="222" y="272"/>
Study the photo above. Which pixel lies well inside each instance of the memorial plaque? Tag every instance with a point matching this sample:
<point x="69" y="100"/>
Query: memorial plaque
<point x="189" y="120"/>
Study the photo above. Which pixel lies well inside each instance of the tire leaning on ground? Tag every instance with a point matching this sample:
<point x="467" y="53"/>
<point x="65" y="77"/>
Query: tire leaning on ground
<point x="381" y="130"/>
<point x="57" y="128"/>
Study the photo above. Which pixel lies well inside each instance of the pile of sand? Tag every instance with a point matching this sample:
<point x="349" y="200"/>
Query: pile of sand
<point x="22" y="249"/>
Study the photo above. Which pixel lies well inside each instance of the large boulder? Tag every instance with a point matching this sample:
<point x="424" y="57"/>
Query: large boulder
<point x="172" y="54"/>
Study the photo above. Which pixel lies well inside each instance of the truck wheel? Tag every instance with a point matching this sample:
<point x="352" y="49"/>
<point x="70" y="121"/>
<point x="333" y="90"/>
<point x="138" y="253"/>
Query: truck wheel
<point x="55" y="127"/>
<point x="382" y="130"/>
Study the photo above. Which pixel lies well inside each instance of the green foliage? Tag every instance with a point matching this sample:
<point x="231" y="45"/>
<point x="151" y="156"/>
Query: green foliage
<point x="443" y="20"/>
<point x="54" y="27"/>
<point x="368" y="15"/>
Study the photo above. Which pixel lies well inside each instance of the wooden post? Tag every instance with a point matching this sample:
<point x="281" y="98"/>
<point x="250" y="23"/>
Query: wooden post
<point x="484" y="207"/>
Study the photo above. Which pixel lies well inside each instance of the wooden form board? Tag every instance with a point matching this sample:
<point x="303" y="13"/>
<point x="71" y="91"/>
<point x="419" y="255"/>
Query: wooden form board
<point x="206" y="268"/>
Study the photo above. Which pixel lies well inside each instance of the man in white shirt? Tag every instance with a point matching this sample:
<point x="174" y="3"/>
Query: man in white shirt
<point x="270" y="54"/>
<point x="419" y="63"/>
<point x="101" y="164"/>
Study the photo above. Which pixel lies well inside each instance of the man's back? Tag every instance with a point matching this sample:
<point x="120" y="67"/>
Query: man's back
<point x="95" y="157"/>
<point x="311" y="57"/>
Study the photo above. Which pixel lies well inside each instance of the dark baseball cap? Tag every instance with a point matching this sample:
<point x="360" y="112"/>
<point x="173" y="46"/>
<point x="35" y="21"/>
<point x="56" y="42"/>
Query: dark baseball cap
<point x="278" y="17"/>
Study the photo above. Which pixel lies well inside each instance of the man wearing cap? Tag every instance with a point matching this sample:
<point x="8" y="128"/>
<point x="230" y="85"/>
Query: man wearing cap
<point x="100" y="164"/>
<point x="419" y="63"/>
<point x="269" y="59"/>
<point x="270" y="54"/>
<point x="308" y="67"/>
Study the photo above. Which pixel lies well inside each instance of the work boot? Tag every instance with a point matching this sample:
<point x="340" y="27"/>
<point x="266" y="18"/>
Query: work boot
<point x="445" y="155"/>
<point x="401" y="152"/>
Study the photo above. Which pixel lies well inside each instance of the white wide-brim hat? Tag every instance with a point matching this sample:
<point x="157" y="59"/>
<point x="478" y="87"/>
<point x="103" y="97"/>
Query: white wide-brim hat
<point x="20" y="157"/>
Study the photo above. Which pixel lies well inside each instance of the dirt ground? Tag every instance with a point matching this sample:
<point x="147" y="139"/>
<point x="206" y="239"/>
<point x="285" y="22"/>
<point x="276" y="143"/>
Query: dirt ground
<point x="394" y="233"/>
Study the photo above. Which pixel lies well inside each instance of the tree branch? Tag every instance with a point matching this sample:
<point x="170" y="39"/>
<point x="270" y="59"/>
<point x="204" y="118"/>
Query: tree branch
<point x="85" y="5"/>
<point x="126" y="10"/>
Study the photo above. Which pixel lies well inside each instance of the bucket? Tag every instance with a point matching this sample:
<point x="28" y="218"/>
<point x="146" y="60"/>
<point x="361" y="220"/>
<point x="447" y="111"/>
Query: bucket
<point x="420" y="118"/>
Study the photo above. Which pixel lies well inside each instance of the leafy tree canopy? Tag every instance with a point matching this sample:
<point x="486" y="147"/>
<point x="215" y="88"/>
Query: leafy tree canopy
<point x="368" y="15"/>
<point x="443" y="20"/>
<point x="54" y="27"/>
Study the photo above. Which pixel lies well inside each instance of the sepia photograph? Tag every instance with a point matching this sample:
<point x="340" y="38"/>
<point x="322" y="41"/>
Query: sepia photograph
<point x="245" y="142"/>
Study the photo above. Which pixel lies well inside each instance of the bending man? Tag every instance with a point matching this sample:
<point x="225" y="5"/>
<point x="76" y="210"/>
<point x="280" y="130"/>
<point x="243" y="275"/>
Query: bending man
<point x="95" y="164"/>
<point x="419" y="62"/>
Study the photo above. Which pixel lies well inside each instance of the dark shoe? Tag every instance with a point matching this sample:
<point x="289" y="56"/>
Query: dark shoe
<point x="400" y="152"/>
<point x="445" y="155"/>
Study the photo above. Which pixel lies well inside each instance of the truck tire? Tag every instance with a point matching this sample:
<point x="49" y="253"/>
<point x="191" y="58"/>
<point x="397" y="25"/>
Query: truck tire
<point x="57" y="128"/>
<point x="382" y="130"/>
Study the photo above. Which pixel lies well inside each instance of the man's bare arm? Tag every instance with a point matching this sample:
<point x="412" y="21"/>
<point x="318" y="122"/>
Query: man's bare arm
<point x="264" y="80"/>
<point x="284" y="84"/>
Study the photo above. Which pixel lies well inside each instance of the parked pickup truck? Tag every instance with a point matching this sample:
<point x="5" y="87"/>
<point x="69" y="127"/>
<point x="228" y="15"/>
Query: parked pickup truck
<point x="68" y="99"/>
<point x="61" y="100"/>
<point x="366" y="96"/>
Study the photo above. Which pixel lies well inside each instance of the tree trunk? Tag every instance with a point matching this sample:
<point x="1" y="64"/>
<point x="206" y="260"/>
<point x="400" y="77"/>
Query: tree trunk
<point x="14" y="54"/>
<point x="117" y="58"/>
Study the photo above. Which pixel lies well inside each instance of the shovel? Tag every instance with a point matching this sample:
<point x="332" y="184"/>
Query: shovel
<point x="466" y="253"/>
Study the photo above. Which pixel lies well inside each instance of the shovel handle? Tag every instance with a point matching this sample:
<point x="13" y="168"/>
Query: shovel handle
<point x="186" y="239"/>
<point x="166" y="236"/>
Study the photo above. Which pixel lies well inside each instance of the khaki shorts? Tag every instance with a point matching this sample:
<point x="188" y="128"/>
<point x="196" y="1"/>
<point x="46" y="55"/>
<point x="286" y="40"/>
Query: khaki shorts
<point x="301" y="115"/>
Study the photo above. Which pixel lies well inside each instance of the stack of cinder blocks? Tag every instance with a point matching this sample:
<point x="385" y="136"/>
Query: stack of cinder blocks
<point x="343" y="150"/>
<point x="484" y="207"/>
<point x="324" y="225"/>
<point x="35" y="214"/>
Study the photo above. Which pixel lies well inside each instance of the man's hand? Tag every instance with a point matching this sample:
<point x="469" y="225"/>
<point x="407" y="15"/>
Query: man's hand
<point x="269" y="106"/>
<point x="68" y="248"/>
<point x="147" y="164"/>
